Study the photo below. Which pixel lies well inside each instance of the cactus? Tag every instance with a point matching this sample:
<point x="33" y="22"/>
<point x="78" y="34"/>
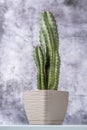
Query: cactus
<point x="46" y="54"/>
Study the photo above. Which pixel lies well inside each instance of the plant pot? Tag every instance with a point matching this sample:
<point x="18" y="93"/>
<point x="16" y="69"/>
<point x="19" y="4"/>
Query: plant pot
<point x="45" y="107"/>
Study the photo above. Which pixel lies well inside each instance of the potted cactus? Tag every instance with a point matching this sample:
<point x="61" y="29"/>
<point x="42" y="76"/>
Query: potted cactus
<point x="47" y="105"/>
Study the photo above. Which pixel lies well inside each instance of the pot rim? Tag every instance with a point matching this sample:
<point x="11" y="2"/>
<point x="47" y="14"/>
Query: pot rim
<point x="37" y="90"/>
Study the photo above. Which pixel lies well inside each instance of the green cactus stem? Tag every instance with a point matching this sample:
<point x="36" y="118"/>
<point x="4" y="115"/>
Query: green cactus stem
<point x="47" y="54"/>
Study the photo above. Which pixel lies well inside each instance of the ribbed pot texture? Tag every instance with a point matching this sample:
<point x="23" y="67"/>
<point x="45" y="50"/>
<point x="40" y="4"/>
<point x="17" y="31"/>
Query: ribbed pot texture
<point x="45" y="107"/>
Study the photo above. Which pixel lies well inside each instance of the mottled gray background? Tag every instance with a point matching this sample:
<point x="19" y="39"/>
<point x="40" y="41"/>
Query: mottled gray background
<point x="19" y="32"/>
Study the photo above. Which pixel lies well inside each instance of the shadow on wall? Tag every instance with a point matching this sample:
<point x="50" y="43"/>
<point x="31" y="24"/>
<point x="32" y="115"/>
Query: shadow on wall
<point x="11" y="103"/>
<point x="71" y="2"/>
<point x="77" y="118"/>
<point x="3" y="9"/>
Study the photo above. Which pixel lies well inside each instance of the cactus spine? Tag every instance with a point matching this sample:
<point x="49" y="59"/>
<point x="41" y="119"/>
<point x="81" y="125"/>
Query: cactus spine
<point x="46" y="55"/>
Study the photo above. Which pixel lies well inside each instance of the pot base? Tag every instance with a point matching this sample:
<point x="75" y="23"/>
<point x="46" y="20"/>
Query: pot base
<point x="50" y="122"/>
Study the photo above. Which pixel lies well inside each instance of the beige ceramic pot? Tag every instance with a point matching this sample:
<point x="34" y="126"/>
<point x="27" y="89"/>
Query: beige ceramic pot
<point x="45" y="107"/>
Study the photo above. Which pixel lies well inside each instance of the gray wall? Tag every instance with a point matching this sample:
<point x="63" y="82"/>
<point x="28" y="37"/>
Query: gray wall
<point x="19" y="32"/>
